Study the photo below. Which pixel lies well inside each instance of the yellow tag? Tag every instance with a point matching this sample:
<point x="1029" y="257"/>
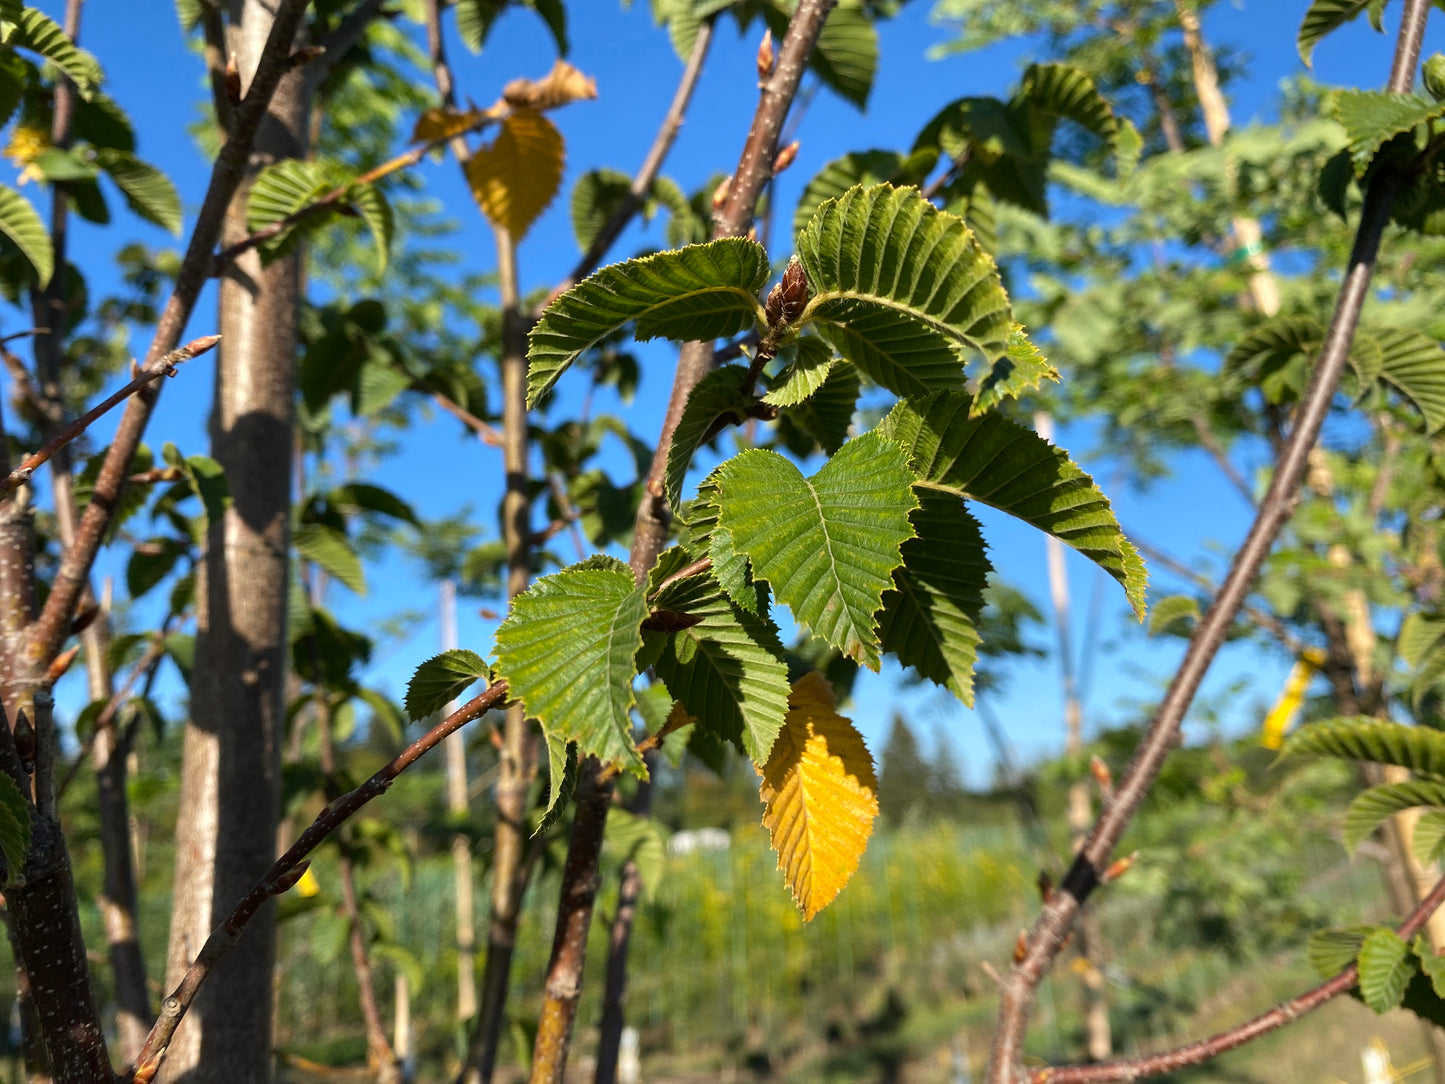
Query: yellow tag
<point x="308" y="885"/>
<point x="1282" y="715"/>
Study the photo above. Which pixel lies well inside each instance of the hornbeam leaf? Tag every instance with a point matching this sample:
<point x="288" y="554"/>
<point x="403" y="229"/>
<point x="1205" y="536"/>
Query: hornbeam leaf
<point x="827" y="544"/>
<point x="20" y="223"/>
<point x="332" y="551"/>
<point x="147" y="190"/>
<point x="1068" y="92"/>
<point x="1428" y="839"/>
<point x="1373" y="806"/>
<point x="375" y="210"/>
<point x="561" y="780"/>
<point x="820" y="796"/>
<point x="441" y="679"/>
<point x="1371" y="117"/>
<point x="930" y="618"/>
<point x="861" y="167"/>
<point x="568" y="652"/>
<point x="1385" y="968"/>
<point x="827" y="414"/>
<point x="39" y="33"/>
<point x="999" y="462"/>
<point x="596" y="197"/>
<point x="14" y="828"/>
<point x="812" y="361"/>
<point x="1432" y="965"/>
<point x="1323" y="17"/>
<point x="902" y="289"/>
<point x="515" y="177"/>
<point x="1022" y="368"/>
<point x="846" y="56"/>
<point x="699" y="292"/>
<point x="1421" y="749"/>
<point x="717" y="395"/>
<point x="1331" y="951"/>
<point x="1415" y="365"/>
<point x="727" y="670"/>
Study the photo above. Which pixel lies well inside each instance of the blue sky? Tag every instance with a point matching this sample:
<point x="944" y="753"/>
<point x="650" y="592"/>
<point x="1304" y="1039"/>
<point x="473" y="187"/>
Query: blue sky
<point x="1194" y="513"/>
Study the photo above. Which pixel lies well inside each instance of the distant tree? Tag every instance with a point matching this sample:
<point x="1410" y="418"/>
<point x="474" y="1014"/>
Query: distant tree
<point x="906" y="781"/>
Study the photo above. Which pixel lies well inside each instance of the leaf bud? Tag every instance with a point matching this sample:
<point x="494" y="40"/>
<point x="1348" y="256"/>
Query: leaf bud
<point x="785" y="157"/>
<point x="24" y="735"/>
<point x="232" y="80"/>
<point x="1118" y="867"/>
<point x="1021" y="946"/>
<point x="61" y="664"/>
<point x="1434" y="75"/>
<point x="787" y="299"/>
<point x="1102" y="775"/>
<point x="287" y="881"/>
<point x="720" y="193"/>
<point x="1046" y="886"/>
<point x="766" y="57"/>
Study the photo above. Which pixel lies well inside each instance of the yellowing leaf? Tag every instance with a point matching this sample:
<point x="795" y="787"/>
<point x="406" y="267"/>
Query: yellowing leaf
<point x="820" y="796"/>
<point x="440" y="123"/>
<point x="561" y="85"/>
<point x="515" y="178"/>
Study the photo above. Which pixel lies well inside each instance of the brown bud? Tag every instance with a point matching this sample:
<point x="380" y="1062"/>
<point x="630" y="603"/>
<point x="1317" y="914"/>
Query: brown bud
<point x="1046" y="886"/>
<point x="720" y="193"/>
<point x="785" y="157"/>
<point x="789" y="297"/>
<point x="1118" y="868"/>
<point x="1021" y="947"/>
<point x="287" y="881"/>
<point x="61" y="664"/>
<point x="24" y="735"/>
<point x="766" y="57"/>
<point x="1102" y="775"/>
<point x="233" y="80"/>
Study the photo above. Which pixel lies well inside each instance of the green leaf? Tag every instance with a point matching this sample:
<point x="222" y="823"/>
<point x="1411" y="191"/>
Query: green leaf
<point x="717" y="395"/>
<point x="441" y="679"/>
<point x="561" y="781"/>
<point x="1021" y="369"/>
<point x="1432" y="965"/>
<point x="363" y="497"/>
<point x="1323" y="17"/>
<point x="147" y="190"/>
<point x="1375" y="805"/>
<point x="930" y="618"/>
<point x="1421" y="749"/>
<point x="1173" y="613"/>
<point x="902" y="289"/>
<point x="726" y="670"/>
<point x="735" y="573"/>
<point x="58" y="165"/>
<point x="639" y="840"/>
<point x="699" y="292"/>
<point x="1419" y="634"/>
<point x="20" y="223"/>
<point x="474" y="21"/>
<point x="1385" y="968"/>
<point x="554" y="14"/>
<point x="14" y="828"/>
<point x="999" y="462"/>
<point x="102" y="123"/>
<point x="846" y="56"/>
<point x="1415" y="365"/>
<point x="13" y="73"/>
<point x="806" y="372"/>
<point x="596" y="197"/>
<point x="205" y="478"/>
<point x="860" y="168"/>
<point x="1065" y="91"/>
<point x="41" y="34"/>
<point x="10" y="10"/>
<point x="149" y="565"/>
<point x="1371" y="117"/>
<point x="331" y="551"/>
<point x="1428" y="839"/>
<point x="828" y="545"/>
<point x="1331" y="951"/>
<point x="568" y="651"/>
<point x="371" y="204"/>
<point x="827" y="415"/>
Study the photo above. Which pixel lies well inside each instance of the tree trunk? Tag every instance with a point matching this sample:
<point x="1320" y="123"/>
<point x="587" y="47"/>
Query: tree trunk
<point x="459" y="807"/>
<point x="230" y="777"/>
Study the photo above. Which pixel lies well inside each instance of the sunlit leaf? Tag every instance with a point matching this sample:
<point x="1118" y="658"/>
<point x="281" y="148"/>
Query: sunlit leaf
<point x="1375" y="805"/>
<point x="717" y="395"/>
<point x="1421" y="749"/>
<point x="1385" y="968"/>
<point x="20" y="223"/>
<point x="441" y="679"/>
<point x="332" y="552"/>
<point x="515" y="178"/>
<point x="819" y="796"/>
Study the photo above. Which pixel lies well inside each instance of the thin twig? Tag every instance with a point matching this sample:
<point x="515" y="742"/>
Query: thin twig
<point x="1052" y="927"/>
<point x="287" y="870"/>
<point x="166" y="366"/>
<point x="487" y="433"/>
<point x="1196" y="1053"/>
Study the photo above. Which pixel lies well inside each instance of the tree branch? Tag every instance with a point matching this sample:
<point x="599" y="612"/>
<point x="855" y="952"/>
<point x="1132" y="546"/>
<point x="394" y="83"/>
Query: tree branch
<point x="287" y="870"/>
<point x="71" y="578"/>
<point x="166" y="366"/>
<point x="1051" y="928"/>
<point x="581" y="875"/>
<point x="1197" y="1053"/>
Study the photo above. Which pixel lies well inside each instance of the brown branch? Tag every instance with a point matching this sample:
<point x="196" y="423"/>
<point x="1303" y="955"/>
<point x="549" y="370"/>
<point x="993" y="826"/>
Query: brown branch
<point x="580" y="876"/>
<point x="1051" y="929"/>
<point x="73" y="575"/>
<point x="166" y="366"/>
<point x="487" y="433"/>
<point x="287" y="870"/>
<point x="651" y="165"/>
<point x="1197" y="1053"/>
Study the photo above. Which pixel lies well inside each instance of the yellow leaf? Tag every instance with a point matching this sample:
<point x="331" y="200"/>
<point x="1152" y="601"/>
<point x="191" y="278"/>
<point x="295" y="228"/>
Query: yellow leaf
<point x="561" y="85"/>
<point x="439" y="123"/>
<point x="820" y="796"/>
<point x="308" y="885"/>
<point x="515" y="178"/>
